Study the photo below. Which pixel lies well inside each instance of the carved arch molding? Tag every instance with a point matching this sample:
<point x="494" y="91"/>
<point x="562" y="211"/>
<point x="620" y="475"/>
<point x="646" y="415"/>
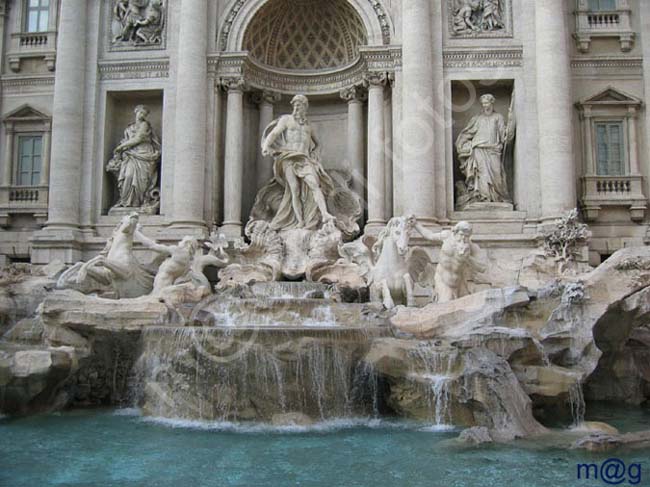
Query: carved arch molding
<point x="241" y="12"/>
<point x="321" y="60"/>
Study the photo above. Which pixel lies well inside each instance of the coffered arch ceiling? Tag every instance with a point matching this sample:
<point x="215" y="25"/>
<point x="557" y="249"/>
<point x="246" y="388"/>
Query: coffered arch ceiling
<point x="305" y="34"/>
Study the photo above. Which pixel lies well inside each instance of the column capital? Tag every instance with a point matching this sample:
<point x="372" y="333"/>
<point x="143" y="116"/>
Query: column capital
<point x="354" y="94"/>
<point x="375" y="80"/>
<point x="266" y="96"/>
<point x="233" y="84"/>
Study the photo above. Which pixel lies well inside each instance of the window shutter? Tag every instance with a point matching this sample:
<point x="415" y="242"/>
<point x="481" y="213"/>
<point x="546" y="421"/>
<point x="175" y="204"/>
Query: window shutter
<point x="615" y="166"/>
<point x="30" y="160"/>
<point x="610" y="149"/>
<point x="598" y="5"/>
<point x="602" y="152"/>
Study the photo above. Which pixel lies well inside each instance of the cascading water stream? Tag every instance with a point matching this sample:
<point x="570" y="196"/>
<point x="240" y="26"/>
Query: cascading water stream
<point x="259" y="358"/>
<point x="439" y="366"/>
<point x="577" y="404"/>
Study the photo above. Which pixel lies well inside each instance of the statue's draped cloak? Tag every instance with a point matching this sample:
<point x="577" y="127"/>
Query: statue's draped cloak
<point x="480" y="148"/>
<point x="138" y="170"/>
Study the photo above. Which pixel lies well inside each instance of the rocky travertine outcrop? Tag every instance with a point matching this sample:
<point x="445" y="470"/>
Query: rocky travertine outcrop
<point x="553" y="338"/>
<point x="460" y="317"/>
<point x="450" y="385"/>
<point x="78" y="349"/>
<point x="31" y="379"/>
<point x="475" y="435"/>
<point x="603" y="442"/>
<point x="20" y="296"/>
<point x="600" y="318"/>
<point x="623" y="336"/>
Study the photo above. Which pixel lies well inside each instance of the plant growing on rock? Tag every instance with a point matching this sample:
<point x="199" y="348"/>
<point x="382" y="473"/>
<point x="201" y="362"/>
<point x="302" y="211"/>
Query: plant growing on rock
<point x="563" y="241"/>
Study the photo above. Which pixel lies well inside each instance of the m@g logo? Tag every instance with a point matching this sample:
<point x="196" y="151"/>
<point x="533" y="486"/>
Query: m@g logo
<point x="611" y="472"/>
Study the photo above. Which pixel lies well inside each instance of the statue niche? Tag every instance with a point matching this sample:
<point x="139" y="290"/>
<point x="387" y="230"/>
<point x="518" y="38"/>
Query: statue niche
<point x="135" y="165"/>
<point x="482" y="147"/>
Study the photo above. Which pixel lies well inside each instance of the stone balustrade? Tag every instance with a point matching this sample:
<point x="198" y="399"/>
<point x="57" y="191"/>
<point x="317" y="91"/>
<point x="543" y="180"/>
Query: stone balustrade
<point x="26" y="45"/>
<point x="603" y="191"/>
<point x="614" y="23"/>
<point x="15" y="200"/>
<point x="18" y="196"/>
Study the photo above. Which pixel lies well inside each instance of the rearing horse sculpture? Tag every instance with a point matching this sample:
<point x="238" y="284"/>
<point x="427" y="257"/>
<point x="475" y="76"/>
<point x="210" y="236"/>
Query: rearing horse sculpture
<point x="391" y="267"/>
<point x="115" y="269"/>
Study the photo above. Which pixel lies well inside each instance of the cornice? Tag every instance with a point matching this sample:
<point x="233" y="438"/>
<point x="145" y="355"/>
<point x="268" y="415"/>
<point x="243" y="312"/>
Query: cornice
<point x="154" y="68"/>
<point x="483" y="58"/>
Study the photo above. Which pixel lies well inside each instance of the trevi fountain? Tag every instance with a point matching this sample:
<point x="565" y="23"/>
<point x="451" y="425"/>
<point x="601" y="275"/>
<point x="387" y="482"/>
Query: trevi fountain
<point x="328" y="324"/>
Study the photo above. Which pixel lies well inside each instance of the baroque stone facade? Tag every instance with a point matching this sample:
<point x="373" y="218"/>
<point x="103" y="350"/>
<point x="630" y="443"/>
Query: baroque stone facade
<point x="395" y="90"/>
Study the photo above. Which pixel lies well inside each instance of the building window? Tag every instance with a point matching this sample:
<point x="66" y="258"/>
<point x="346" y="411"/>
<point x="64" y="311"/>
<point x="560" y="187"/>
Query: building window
<point x="37" y="18"/>
<point x="610" y="145"/>
<point x="34" y="34"/>
<point x="602" y="5"/>
<point x="611" y="165"/>
<point x="30" y="158"/>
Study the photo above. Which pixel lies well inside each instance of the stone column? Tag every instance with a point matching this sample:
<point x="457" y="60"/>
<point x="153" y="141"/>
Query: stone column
<point x="3" y="13"/>
<point x="45" y="158"/>
<point x="191" y="115"/>
<point x="589" y="147"/>
<point x="266" y="100"/>
<point x="555" y="109"/>
<point x="7" y="178"/>
<point x="635" y="170"/>
<point x="68" y="110"/>
<point x="644" y="26"/>
<point x="388" y="149"/>
<point x="396" y="105"/>
<point x="376" y="165"/>
<point x="234" y="159"/>
<point x="418" y="192"/>
<point x="356" y="96"/>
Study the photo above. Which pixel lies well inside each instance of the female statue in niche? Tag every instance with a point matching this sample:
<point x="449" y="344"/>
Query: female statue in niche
<point x="135" y="164"/>
<point x="481" y="148"/>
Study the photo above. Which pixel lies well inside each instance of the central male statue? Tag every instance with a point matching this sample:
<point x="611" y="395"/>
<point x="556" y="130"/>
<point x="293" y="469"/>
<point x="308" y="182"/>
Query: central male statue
<point x="297" y="196"/>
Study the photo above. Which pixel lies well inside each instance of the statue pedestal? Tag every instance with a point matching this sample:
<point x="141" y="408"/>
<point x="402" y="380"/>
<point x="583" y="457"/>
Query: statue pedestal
<point x="488" y="206"/>
<point x="121" y="211"/>
<point x="492" y="218"/>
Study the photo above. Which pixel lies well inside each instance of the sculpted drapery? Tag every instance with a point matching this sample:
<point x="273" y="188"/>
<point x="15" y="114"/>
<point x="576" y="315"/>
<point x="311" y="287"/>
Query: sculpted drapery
<point x="135" y="162"/>
<point x="480" y="147"/>
<point x="301" y="194"/>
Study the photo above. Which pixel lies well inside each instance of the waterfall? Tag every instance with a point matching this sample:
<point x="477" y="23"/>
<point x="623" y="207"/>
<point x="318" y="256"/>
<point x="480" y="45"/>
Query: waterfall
<point x="438" y="400"/>
<point x="289" y="349"/>
<point x="577" y="404"/>
<point x="234" y="374"/>
<point x="439" y="365"/>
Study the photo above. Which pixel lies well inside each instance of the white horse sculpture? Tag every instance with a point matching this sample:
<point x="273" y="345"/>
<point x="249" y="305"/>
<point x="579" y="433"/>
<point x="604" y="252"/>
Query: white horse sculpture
<point x="115" y="269"/>
<point x="390" y="267"/>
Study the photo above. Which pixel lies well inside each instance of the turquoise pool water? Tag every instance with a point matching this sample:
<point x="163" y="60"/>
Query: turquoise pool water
<point x="120" y="448"/>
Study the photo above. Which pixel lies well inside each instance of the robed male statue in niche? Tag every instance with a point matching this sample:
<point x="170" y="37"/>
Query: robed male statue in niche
<point x="482" y="146"/>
